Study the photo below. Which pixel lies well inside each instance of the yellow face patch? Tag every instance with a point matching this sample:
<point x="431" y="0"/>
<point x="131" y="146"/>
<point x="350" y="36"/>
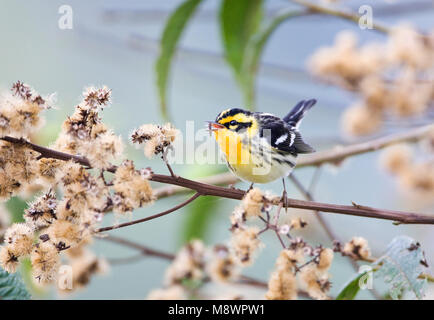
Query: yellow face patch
<point x="240" y="118"/>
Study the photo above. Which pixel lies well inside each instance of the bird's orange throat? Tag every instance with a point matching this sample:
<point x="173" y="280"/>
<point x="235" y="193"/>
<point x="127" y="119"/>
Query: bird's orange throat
<point x="230" y="144"/>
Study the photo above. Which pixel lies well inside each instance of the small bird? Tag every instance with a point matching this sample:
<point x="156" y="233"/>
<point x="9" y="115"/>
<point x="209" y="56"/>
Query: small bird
<point x="261" y="147"/>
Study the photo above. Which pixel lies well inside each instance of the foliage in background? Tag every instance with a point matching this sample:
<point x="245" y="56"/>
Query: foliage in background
<point x="400" y="266"/>
<point x="169" y="40"/>
<point x="244" y="34"/>
<point x="12" y="287"/>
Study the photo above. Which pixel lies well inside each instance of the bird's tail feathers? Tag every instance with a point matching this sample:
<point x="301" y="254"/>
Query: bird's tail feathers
<point x="295" y="116"/>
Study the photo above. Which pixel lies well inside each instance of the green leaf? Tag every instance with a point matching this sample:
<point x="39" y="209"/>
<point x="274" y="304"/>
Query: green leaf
<point x="401" y="267"/>
<point x="350" y="291"/>
<point x="12" y="287"/>
<point x="169" y="40"/>
<point x="239" y="20"/>
<point x="255" y="48"/>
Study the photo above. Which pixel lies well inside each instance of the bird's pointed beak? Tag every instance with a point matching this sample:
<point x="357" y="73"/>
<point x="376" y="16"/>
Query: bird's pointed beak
<point x="214" y="126"/>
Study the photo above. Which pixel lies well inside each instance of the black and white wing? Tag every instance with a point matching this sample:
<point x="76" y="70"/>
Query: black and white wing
<point x="284" y="138"/>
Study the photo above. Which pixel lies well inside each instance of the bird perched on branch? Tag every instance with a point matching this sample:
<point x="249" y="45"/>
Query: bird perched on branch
<point x="261" y="147"/>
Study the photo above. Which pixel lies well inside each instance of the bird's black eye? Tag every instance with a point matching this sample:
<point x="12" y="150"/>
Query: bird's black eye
<point x="233" y="123"/>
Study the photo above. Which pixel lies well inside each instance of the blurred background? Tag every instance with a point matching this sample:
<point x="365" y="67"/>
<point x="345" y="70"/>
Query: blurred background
<point x="116" y="43"/>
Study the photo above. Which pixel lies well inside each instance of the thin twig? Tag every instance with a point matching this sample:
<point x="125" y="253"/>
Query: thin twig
<point x="143" y="249"/>
<point x="338" y="154"/>
<point x="245" y="280"/>
<point x="338" y="13"/>
<point x="127" y="260"/>
<point x="306" y="194"/>
<point x="126" y="224"/>
<point x="325" y="225"/>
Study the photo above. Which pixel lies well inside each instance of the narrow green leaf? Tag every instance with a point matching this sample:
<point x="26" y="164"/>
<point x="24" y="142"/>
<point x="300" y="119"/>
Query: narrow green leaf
<point x="173" y="29"/>
<point x="350" y="291"/>
<point x="239" y="20"/>
<point x="255" y="48"/>
<point x="401" y="266"/>
<point x="12" y="287"/>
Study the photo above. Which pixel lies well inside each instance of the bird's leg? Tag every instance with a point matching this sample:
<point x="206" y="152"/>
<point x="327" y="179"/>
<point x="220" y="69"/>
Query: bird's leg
<point x="250" y="188"/>
<point x="284" y="198"/>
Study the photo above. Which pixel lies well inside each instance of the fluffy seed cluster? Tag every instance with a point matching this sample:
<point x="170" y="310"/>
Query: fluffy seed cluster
<point x="244" y="244"/>
<point x="194" y="265"/>
<point x="84" y="266"/>
<point x="253" y="204"/>
<point x="315" y="275"/>
<point x="50" y="227"/>
<point x="18" y="169"/>
<point x="222" y="266"/>
<point x="417" y="178"/>
<point x="55" y="225"/>
<point x="20" y="111"/>
<point x="297" y="223"/>
<point x="357" y="248"/>
<point x="283" y="284"/>
<point x="45" y="261"/>
<point x="84" y="133"/>
<point x="366" y="70"/>
<point x="132" y="189"/>
<point x="18" y="241"/>
<point x="189" y="264"/>
<point x="155" y="138"/>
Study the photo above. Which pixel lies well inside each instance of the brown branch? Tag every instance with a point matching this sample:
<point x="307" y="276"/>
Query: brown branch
<point x="337" y="154"/>
<point x="306" y="194"/>
<point x="155" y="216"/>
<point x="222" y="179"/>
<point x="325" y="225"/>
<point x="315" y="159"/>
<point x="361" y="211"/>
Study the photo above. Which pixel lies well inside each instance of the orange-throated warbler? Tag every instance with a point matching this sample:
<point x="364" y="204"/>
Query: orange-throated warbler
<point x="260" y="147"/>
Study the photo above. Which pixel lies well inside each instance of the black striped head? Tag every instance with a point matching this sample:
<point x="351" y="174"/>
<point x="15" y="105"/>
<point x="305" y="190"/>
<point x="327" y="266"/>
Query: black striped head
<point x="237" y="120"/>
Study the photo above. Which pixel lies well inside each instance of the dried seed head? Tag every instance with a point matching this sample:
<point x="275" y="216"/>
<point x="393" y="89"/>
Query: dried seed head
<point x="45" y="261"/>
<point x="357" y="248"/>
<point x="222" y="267"/>
<point x="282" y="286"/>
<point x="19" y="237"/>
<point x="42" y="211"/>
<point x="8" y="259"/>
<point x="244" y="244"/>
<point x="189" y="264"/>
<point x="155" y="137"/>
<point x="253" y="203"/>
<point x="325" y="259"/>
<point x="132" y="190"/>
